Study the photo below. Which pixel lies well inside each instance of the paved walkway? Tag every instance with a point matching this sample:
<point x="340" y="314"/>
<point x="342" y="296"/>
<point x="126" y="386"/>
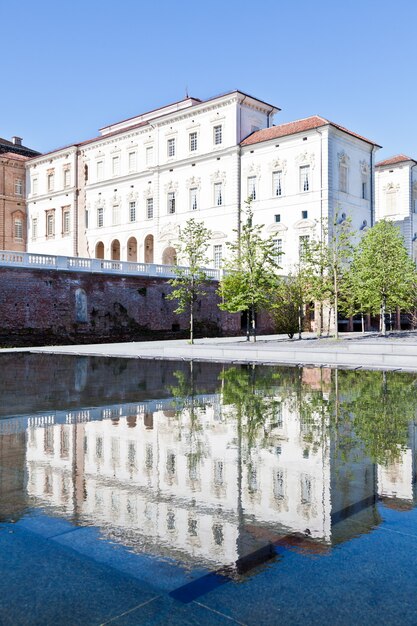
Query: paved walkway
<point x="369" y="351"/>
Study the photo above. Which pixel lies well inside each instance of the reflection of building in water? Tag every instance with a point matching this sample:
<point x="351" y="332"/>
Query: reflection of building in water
<point x="396" y="481"/>
<point x="196" y="485"/>
<point x="12" y="473"/>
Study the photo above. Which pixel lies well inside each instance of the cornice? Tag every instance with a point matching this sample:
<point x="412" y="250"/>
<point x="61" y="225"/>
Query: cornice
<point x="52" y="194"/>
<point x="51" y="156"/>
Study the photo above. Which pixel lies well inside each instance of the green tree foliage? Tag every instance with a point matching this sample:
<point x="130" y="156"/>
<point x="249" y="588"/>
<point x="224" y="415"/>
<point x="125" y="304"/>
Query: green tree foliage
<point x="382" y="274"/>
<point x="250" y="278"/>
<point x="287" y="305"/>
<point x="192" y="245"/>
<point x="325" y="263"/>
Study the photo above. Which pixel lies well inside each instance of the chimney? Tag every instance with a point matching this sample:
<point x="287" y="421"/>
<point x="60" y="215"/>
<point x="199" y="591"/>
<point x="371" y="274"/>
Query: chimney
<point x="17" y="141"/>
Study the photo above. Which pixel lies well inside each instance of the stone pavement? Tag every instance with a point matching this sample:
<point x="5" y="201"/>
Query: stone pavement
<point x="397" y="351"/>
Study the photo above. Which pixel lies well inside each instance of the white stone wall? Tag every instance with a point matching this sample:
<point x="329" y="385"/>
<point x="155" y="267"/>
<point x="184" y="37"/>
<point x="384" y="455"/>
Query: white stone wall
<point x="52" y="199"/>
<point x="396" y="200"/>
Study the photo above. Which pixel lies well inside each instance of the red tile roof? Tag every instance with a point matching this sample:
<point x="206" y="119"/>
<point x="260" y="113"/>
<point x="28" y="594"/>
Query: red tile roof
<point x="399" y="158"/>
<point x="299" y="126"/>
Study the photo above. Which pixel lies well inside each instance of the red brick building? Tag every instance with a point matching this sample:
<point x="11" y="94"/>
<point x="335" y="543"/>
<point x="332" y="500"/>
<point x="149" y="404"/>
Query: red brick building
<point x="13" y="227"/>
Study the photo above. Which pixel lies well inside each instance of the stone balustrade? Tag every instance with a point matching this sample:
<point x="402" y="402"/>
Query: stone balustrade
<point x="78" y="264"/>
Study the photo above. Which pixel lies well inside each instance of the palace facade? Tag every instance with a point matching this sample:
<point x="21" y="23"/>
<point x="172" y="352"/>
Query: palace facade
<point x="125" y="194"/>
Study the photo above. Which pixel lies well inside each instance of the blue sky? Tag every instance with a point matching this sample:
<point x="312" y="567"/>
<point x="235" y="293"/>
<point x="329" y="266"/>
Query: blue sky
<point x="69" y="68"/>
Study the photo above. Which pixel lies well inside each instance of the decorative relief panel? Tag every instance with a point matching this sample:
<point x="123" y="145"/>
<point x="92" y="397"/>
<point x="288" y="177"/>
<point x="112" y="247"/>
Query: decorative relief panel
<point x="194" y="182"/>
<point x="218" y="177"/>
<point x="306" y="158"/>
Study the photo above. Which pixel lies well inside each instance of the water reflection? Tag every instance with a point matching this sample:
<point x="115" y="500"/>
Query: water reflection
<point x="226" y="463"/>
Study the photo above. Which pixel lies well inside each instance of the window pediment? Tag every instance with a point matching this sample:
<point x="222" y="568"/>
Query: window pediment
<point x="171" y="186"/>
<point x="279" y="165"/>
<point x="218" y="177"/>
<point x="304" y="224"/>
<point x="305" y="158"/>
<point x="277" y="228"/>
<point x="193" y="182"/>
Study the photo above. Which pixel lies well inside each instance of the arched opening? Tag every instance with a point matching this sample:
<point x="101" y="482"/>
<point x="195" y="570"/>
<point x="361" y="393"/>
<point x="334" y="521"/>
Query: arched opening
<point x="115" y="250"/>
<point x="149" y="249"/>
<point x="100" y="250"/>
<point x="169" y="256"/>
<point x="132" y="250"/>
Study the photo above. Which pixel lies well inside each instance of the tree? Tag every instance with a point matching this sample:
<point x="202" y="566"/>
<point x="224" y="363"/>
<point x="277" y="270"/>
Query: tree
<point x="193" y="241"/>
<point x="383" y="275"/>
<point x="287" y="306"/>
<point x="250" y="276"/>
<point x="325" y="263"/>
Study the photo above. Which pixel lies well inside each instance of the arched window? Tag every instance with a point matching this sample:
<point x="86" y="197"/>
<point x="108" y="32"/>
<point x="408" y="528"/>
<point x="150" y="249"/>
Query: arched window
<point x="148" y="256"/>
<point x="99" y="250"/>
<point x="169" y="256"/>
<point x="132" y="250"/>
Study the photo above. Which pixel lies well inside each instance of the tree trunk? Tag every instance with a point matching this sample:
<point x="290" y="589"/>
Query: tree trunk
<point x="383" y="327"/>
<point x="300" y="321"/>
<point x="192" y="323"/>
<point x="363" y="323"/>
<point x="336" y="306"/>
<point x="253" y="323"/>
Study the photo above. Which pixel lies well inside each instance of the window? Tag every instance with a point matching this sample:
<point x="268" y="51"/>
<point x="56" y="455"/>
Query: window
<point x="132" y="161"/>
<point x="18" y="229"/>
<point x="50" y="181"/>
<point x="218" y="535"/>
<point x="277" y="183"/>
<point x="217" y="135"/>
<point x="171" y="148"/>
<point x="116" y="214"/>
<point x="343" y="177"/>
<point x="277" y="248"/>
<point x="18" y="187"/>
<point x="35" y="186"/>
<point x="218" y="473"/>
<point x="303" y="241"/>
<point x="193" y="199"/>
<point x="305" y="178"/>
<point x="193" y="142"/>
<point x="100" y="217"/>
<point x="86" y="218"/>
<point x="279" y="488"/>
<point x="67" y="177"/>
<point x="116" y="166"/>
<point x="252" y="187"/>
<point x="306" y="489"/>
<point x="149" y="208"/>
<point x="364" y="191"/>
<point x="100" y="170"/>
<point x="218" y="194"/>
<point x="34" y="228"/>
<point x="65" y="221"/>
<point x="171" y="202"/>
<point x="304" y="215"/>
<point x="50" y="224"/>
<point x="132" y="211"/>
<point x="217" y="256"/>
<point x="149" y="155"/>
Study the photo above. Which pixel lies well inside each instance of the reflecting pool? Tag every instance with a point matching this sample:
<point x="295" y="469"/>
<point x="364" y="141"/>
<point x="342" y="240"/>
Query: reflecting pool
<point x="152" y="492"/>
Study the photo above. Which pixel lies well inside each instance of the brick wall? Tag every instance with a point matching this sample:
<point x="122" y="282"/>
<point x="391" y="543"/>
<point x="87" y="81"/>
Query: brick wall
<point x="48" y="306"/>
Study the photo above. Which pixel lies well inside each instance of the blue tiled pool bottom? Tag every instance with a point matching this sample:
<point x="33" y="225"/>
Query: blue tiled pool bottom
<point x="56" y="573"/>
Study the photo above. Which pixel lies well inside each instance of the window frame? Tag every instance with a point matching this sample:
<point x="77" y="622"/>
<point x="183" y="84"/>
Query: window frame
<point x="305" y="181"/>
<point x="171" y="148"/>
<point x="218" y="194"/>
<point x="193" y="141"/>
<point x="171" y="202"/>
<point x="218" y="135"/>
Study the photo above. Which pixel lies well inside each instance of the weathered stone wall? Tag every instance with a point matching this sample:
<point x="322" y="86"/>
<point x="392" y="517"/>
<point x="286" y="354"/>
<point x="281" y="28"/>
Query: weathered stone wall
<point x="51" y="306"/>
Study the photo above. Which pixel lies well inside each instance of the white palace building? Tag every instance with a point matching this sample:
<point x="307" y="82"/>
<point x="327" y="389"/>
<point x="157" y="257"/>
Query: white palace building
<point x="124" y="194"/>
